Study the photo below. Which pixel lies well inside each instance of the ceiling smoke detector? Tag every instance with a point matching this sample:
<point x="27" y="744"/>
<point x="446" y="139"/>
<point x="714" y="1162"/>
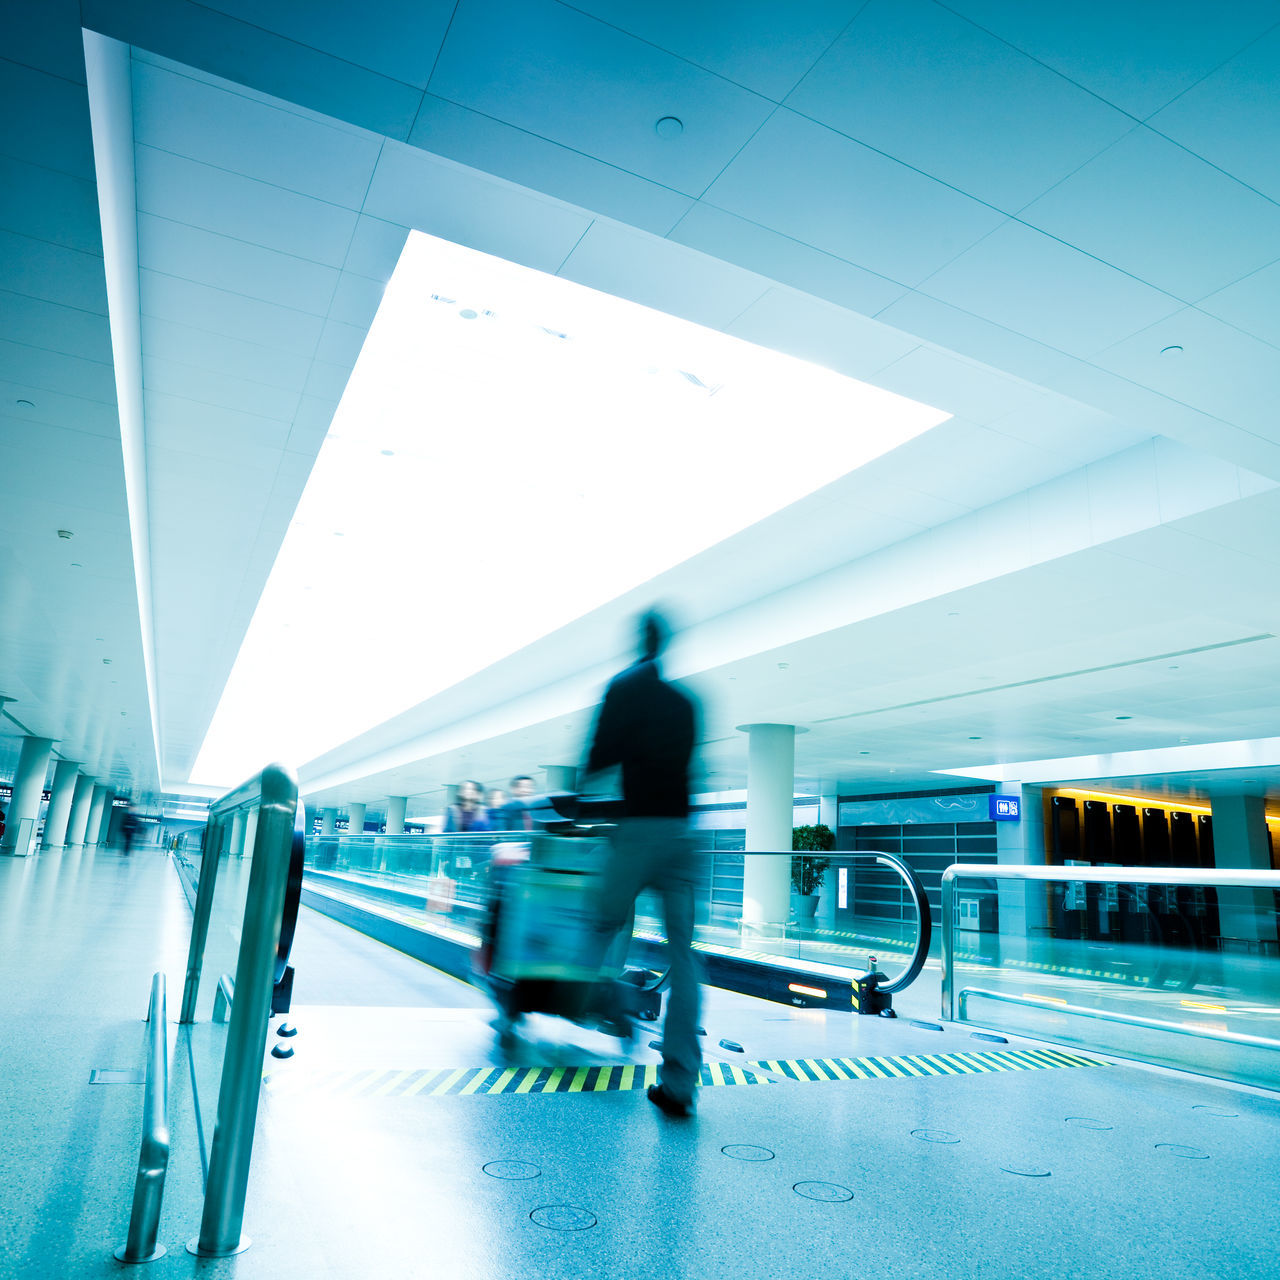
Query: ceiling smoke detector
<point x="65" y="534"/>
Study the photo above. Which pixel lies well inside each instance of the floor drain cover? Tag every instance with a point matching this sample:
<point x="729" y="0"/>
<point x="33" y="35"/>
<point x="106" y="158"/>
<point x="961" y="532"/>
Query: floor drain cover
<point x="982" y="1035"/>
<point x="732" y="1045"/>
<point x="563" y="1217"/>
<point x="1216" y="1111"/>
<point x="511" y="1169"/>
<point x="934" y="1135"/>
<point x="1187" y="1153"/>
<point x="116" y="1075"/>
<point x="741" y="1151"/>
<point x="827" y="1192"/>
<point x="925" y="1026"/>
<point x="1087" y="1122"/>
<point x="1026" y="1170"/>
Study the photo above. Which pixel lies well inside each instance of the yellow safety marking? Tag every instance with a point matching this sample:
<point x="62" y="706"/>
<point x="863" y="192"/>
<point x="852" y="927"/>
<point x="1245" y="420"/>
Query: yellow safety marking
<point x="500" y="1084"/>
<point x="448" y="1082"/>
<point x="421" y="1083"/>
<point x="553" y="1080"/>
<point x="579" y="1079"/>
<point x="650" y="1075"/>
<point x="530" y="1077"/>
<point x="473" y="1084"/>
<point x="397" y="1078"/>
<point x="892" y="1066"/>
<point x="602" y="1080"/>
<point x="628" y="1079"/>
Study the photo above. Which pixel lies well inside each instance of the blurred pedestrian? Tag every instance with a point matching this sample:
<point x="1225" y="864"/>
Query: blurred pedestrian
<point x="129" y="827"/>
<point x="467" y="813"/>
<point x="649" y="727"/>
<point x="514" y="815"/>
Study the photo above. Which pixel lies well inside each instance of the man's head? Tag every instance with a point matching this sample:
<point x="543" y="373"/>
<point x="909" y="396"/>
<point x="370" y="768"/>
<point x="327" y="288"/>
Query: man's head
<point x="654" y="633"/>
<point x="521" y="787"/>
<point x="469" y="794"/>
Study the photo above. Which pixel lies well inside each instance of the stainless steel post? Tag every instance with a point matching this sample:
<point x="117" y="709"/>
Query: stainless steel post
<point x="232" y="1147"/>
<point x="211" y="852"/>
<point x="947" y="960"/>
<point x="153" y="1162"/>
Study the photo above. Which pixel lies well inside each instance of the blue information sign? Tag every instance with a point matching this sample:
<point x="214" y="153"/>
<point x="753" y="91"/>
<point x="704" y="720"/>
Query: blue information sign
<point x="1004" y="808"/>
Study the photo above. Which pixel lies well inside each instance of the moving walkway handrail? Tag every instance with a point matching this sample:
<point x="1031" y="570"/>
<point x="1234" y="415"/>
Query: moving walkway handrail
<point x="924" y="930"/>
<point x="1195" y="878"/>
<point x="274" y="793"/>
<point x="153" y="1159"/>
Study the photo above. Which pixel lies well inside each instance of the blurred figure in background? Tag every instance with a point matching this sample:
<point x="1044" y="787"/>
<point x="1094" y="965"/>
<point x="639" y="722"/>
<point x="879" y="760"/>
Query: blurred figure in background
<point x="468" y="813"/>
<point x="129" y="827"/>
<point x="514" y="815"/>
<point x="649" y="727"/>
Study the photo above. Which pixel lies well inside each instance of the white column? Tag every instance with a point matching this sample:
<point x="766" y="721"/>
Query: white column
<point x="355" y="819"/>
<point x="63" y="792"/>
<point x="28" y="789"/>
<point x="1022" y="907"/>
<point x="766" y="882"/>
<point x="104" y="822"/>
<point x="250" y="830"/>
<point x="561" y="777"/>
<point x="828" y="816"/>
<point x="237" y="833"/>
<point x="78" y="821"/>
<point x="328" y="821"/>
<point x="395" y="815"/>
<point x="1240" y="843"/>
<point x="94" y="826"/>
<point x="829" y="811"/>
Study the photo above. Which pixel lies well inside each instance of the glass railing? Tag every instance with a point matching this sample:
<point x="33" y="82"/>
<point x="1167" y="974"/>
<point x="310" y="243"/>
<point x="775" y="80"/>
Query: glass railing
<point x="443" y="883"/>
<point x="1167" y="965"/>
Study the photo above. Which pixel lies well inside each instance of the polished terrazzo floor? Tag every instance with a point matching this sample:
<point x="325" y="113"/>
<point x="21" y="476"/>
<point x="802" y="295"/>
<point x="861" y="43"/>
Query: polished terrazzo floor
<point x="372" y="1160"/>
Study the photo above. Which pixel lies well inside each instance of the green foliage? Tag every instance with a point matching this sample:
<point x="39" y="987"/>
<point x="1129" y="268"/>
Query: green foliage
<point x="807" y="872"/>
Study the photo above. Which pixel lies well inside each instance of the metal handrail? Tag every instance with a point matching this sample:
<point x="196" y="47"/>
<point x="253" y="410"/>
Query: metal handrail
<point x="274" y="793"/>
<point x="1217" y="879"/>
<point x="924" y="931"/>
<point x="153" y="1159"/>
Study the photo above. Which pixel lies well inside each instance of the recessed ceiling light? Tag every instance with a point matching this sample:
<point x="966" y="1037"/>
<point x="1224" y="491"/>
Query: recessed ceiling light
<point x="669" y="127"/>
<point x="65" y="534"/>
<point x="106" y="662"/>
<point x="1173" y="350"/>
<point x="784" y="666"/>
<point x="468" y="313"/>
<point x="955" y="613"/>
<point x="1124" y="717"/>
<point x="388" y="453"/>
<point x="75" y="564"/>
<point x="864" y="753"/>
<point x="26" y="404"/>
<point x="974" y="737"/>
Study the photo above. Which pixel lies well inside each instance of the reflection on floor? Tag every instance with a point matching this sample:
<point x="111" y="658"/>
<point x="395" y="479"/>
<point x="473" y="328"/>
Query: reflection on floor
<point x="931" y="1159"/>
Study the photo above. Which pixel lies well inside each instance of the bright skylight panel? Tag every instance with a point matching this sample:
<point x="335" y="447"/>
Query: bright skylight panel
<point x="512" y="451"/>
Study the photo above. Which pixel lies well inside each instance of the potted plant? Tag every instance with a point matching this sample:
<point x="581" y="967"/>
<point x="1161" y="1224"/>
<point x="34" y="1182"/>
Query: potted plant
<point x="807" y="871"/>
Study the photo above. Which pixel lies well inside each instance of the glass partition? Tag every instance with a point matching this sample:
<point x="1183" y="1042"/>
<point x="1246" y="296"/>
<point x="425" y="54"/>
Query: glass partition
<point x="443" y="883"/>
<point x="1178" y="967"/>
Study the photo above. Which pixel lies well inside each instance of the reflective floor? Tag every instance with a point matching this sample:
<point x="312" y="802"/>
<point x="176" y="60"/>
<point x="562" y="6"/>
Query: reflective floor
<point x="399" y="1142"/>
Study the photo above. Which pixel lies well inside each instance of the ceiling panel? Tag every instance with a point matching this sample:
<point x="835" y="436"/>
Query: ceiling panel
<point x="1138" y="56"/>
<point x="492" y="146"/>
<point x="564" y="76"/>
<point x="1251" y="304"/>
<point x="93" y="417"/>
<point x="919" y="83"/>
<point x="245" y="209"/>
<point x="214" y="125"/>
<point x="1038" y="286"/>
<point x="48" y="205"/>
<point x="375" y="247"/>
<point x="46" y="120"/>
<point x="67" y="330"/>
<point x="819" y="331"/>
<point x="768" y="252"/>
<point x="656" y="273"/>
<point x="38" y="367"/>
<point x="1142" y="202"/>
<point x="821" y="188"/>
<point x="1219" y="369"/>
<point x="38" y="269"/>
<point x="765" y="46"/>
<point x="211" y="431"/>
<point x="175" y="249"/>
<point x="219" y="354"/>
<point x="210" y="387"/>
<point x="230" y="315"/>
<point x="1232" y="117"/>
<point x="402" y="43"/>
<point x="412" y="189"/>
<point x="959" y="386"/>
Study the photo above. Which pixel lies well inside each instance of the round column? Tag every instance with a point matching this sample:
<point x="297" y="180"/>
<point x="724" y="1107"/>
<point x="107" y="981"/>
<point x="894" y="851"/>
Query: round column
<point x="28" y="790"/>
<point x="104" y="822"/>
<point x="561" y="777"/>
<point x="766" y="882"/>
<point x="328" y="822"/>
<point x="238" y="821"/>
<point x="78" y="820"/>
<point x="63" y="792"/>
<point x="94" y="826"/>
<point x="395" y="815"/>
<point x="355" y="819"/>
